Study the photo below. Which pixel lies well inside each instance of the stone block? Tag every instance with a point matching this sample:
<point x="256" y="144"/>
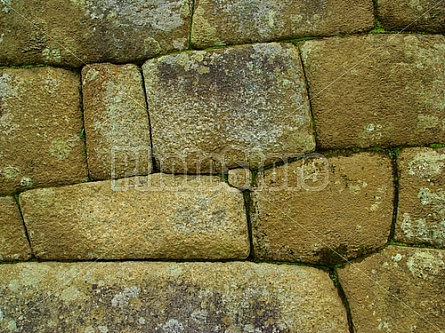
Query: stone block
<point x="421" y="209"/>
<point x="154" y="217"/>
<point x="323" y="210"/>
<point x="40" y="129"/>
<point x="226" y="22"/>
<point x="168" y="297"/>
<point x="116" y="121"/>
<point x="377" y="90"/>
<point x="240" y="178"/>
<point x="13" y="242"/>
<point x="215" y="110"/>
<point x="399" y="289"/>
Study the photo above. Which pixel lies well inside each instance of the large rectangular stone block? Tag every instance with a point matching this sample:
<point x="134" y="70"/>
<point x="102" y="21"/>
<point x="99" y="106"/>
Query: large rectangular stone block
<point x="73" y="33"/>
<point x="40" y="129"/>
<point x="377" y="90"/>
<point x="218" y="109"/>
<point x="158" y="216"/>
<point x="225" y="22"/>
<point x="168" y="297"/>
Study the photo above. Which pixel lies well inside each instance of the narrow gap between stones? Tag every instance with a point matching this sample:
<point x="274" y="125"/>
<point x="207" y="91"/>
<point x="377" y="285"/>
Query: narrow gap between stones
<point x="83" y="135"/>
<point x="190" y="46"/>
<point x="334" y="277"/>
<point x="393" y="153"/>
<point x="247" y="203"/>
<point x="16" y="198"/>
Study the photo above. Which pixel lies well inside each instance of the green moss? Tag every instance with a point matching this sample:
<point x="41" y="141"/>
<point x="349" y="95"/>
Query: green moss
<point x="23" y="66"/>
<point x="378" y="28"/>
<point x="437" y="145"/>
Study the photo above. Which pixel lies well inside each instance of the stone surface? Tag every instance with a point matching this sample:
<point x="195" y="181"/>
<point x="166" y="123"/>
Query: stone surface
<point x="421" y="209"/>
<point x="320" y="210"/>
<point x="224" y="108"/>
<point x="246" y="21"/>
<point x="168" y="297"/>
<point x="412" y="15"/>
<point x="40" y="129"/>
<point x="116" y="121"/>
<point x="377" y="90"/>
<point x="397" y="290"/>
<point x="158" y="216"/>
<point x="240" y="178"/>
<point x="13" y="242"/>
<point x="34" y="32"/>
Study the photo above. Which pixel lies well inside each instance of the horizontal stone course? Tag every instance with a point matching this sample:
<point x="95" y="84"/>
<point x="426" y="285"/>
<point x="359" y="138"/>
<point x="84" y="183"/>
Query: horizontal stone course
<point x="168" y="297"/>
<point x="155" y="217"/>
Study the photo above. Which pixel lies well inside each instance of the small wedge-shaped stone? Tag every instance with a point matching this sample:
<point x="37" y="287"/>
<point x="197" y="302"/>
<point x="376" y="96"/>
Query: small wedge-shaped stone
<point x="397" y="290"/>
<point x="158" y="216"/>
<point x="40" y="129"/>
<point x="75" y="32"/>
<point x="116" y="121"/>
<point x="323" y="211"/>
<point x="168" y="297"/>
<point x="219" y="109"/>
<point x="377" y="90"/>
<point x="221" y="22"/>
<point x="13" y="242"/>
<point x="421" y="211"/>
<point x="409" y="15"/>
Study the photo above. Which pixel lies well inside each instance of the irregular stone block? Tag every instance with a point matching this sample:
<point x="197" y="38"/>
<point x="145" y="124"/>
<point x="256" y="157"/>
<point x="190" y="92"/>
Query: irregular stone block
<point x="421" y="209"/>
<point x="40" y="129"/>
<point x="116" y="121"/>
<point x="377" y="90"/>
<point x="408" y="15"/>
<point x="219" y="109"/>
<point x="168" y="297"/>
<point x="246" y="21"/>
<point x="323" y="211"/>
<point x="399" y="289"/>
<point x="35" y="32"/>
<point x="158" y="216"/>
<point x="13" y="242"/>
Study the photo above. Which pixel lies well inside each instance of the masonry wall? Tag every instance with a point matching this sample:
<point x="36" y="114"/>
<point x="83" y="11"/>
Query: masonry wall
<point x="222" y="166"/>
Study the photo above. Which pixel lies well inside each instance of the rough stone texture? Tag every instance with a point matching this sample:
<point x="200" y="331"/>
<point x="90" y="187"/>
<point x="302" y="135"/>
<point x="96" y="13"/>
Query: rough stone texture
<point x="168" y="297"/>
<point x="377" y="90"/>
<point x="245" y="21"/>
<point x="13" y="242"/>
<point x="421" y="206"/>
<point x="158" y="216"/>
<point x="40" y="129"/>
<point x="116" y="121"/>
<point x="240" y="178"/>
<point x="321" y="210"/>
<point x="34" y="32"/>
<point x="397" y="290"/>
<point x="412" y="15"/>
<point x="219" y="109"/>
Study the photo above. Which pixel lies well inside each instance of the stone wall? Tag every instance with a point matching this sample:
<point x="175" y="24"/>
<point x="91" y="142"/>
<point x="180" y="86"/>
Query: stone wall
<point x="222" y="166"/>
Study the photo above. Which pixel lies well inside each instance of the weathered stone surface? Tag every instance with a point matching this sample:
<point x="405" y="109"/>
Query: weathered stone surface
<point x="219" y="109"/>
<point x="397" y="290"/>
<point x="409" y="15"/>
<point x="421" y="206"/>
<point x="34" y="32"/>
<point x="158" y="216"/>
<point x="240" y="178"/>
<point x="13" y="242"/>
<point x="116" y="121"/>
<point x="40" y="128"/>
<point x="245" y="21"/>
<point x="321" y="210"/>
<point x="168" y="297"/>
<point x="377" y="90"/>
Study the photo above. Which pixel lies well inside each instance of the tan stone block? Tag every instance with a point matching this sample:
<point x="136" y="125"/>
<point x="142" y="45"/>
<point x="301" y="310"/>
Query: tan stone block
<point x="35" y="32"/>
<point x="421" y="210"/>
<point x="226" y="22"/>
<point x="154" y="217"/>
<point x="13" y="242"/>
<point x="377" y="90"/>
<point x="324" y="211"/>
<point x="168" y="297"/>
<point x="214" y="110"/>
<point x="240" y="178"/>
<point x="408" y="15"/>
<point x="116" y="121"/>
<point x="40" y="129"/>
<point x="399" y="289"/>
